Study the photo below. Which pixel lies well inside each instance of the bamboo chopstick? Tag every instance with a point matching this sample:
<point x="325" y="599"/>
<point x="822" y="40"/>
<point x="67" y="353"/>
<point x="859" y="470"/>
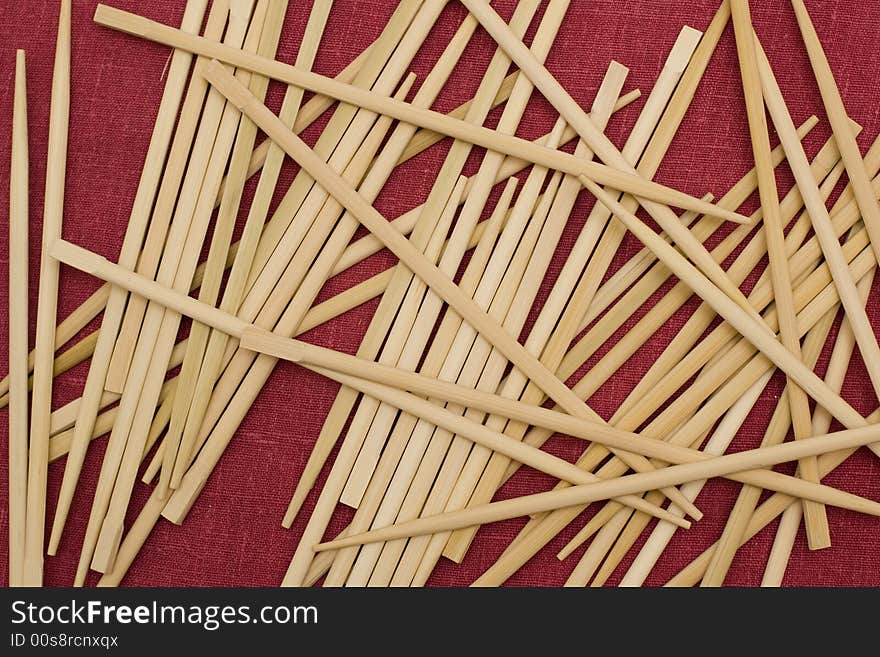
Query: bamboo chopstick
<point x="401" y="247"/>
<point x="839" y="120"/>
<point x="404" y="343"/>
<point x="187" y="160"/>
<point x="799" y="406"/>
<point x="322" y="359"/>
<point x="555" y="524"/>
<point x="19" y="218"/>
<point x="305" y="215"/>
<point x="233" y="293"/>
<point x="44" y="342"/>
<point x="177" y="266"/>
<point x="838" y="365"/>
<point x="476" y="135"/>
<point x="718" y="442"/>
<point x="748" y="497"/>
<point x="707" y="466"/>
<point x="134" y="235"/>
<point x="141" y="326"/>
<point x="221" y="241"/>
<point x="664" y="107"/>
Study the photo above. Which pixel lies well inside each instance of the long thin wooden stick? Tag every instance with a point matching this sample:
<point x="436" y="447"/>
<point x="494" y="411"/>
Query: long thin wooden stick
<point x="717" y="444"/>
<point x="601" y="145"/>
<point x="476" y="135"/>
<point x="707" y="466"/>
<point x="411" y="347"/>
<point x="749" y="496"/>
<point x="44" y="343"/>
<point x="552" y="338"/>
<point x="221" y="241"/>
<point x="405" y="293"/>
<point x="381" y="325"/>
<point x="364" y="247"/>
<point x="839" y="120"/>
<point x="339" y="365"/>
<point x="853" y="304"/>
<point x="182" y="178"/>
<point x="234" y="291"/>
<point x="799" y="406"/>
<point x="838" y="364"/>
<point x="306" y="215"/>
<point x="177" y="266"/>
<point x="171" y="221"/>
<point x="19" y="218"/>
<point x="342" y="365"/>
<point x="142" y="210"/>
<point x="448" y="290"/>
<point x="555" y="524"/>
<point x="765" y="514"/>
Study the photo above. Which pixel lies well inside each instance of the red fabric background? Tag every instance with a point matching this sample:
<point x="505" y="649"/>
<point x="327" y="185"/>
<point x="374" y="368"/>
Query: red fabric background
<point x="233" y="536"/>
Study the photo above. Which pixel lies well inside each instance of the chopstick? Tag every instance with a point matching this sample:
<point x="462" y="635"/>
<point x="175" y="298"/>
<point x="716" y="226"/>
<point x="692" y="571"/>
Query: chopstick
<point x="44" y="342"/>
<point x="19" y="219"/>
<point x="799" y="405"/>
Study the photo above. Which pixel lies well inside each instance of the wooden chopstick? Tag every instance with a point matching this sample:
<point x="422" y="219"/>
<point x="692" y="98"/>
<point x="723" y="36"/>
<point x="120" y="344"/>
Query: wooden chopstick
<point x="233" y="293"/>
<point x="221" y="241"/>
<point x="321" y="358"/>
<point x="577" y="294"/>
<point x="707" y="466"/>
<point x="179" y="259"/>
<point x="799" y="406"/>
<point x="748" y="498"/>
<point x="44" y="343"/>
<point x="19" y="219"/>
<point x="304" y="217"/>
<point x="839" y="120"/>
<point x="114" y="301"/>
<point x="562" y="518"/>
<point x="838" y="364"/>
<point x="411" y="330"/>
<point x="187" y="161"/>
<point x="190" y="139"/>
<point x="476" y="135"/>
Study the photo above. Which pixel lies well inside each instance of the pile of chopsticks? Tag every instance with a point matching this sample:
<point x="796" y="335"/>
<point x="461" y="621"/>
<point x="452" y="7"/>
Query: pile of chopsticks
<point x="462" y="374"/>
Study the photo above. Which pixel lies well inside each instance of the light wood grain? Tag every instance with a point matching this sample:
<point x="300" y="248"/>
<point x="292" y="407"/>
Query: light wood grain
<point x="605" y="175"/>
<point x="19" y="220"/>
<point x="44" y="342"/>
